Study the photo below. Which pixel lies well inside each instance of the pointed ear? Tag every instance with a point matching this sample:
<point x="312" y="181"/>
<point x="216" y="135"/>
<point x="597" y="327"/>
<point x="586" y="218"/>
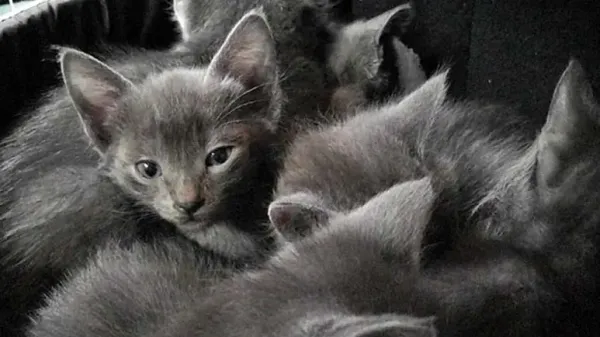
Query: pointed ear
<point x="360" y="46"/>
<point x="427" y="97"/>
<point x="94" y="89"/>
<point x="298" y="214"/>
<point x="397" y="217"/>
<point x="571" y="128"/>
<point x="248" y="53"/>
<point x="383" y="326"/>
<point x="409" y="66"/>
<point x="401" y="16"/>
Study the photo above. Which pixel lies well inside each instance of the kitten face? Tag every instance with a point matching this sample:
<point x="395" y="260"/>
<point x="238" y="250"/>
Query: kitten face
<point x="188" y="142"/>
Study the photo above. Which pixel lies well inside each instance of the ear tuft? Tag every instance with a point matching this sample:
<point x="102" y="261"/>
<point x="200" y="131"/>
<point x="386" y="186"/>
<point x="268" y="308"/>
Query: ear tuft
<point x="95" y="90"/>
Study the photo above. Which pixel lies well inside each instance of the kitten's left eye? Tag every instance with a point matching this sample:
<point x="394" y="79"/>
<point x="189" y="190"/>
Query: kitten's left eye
<point x="218" y="156"/>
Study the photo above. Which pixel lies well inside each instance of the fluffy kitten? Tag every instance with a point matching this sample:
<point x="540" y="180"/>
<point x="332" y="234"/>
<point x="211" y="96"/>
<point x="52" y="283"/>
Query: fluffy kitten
<point x="131" y="291"/>
<point x="525" y="262"/>
<point x="370" y="62"/>
<point x="335" y="284"/>
<point x="195" y="145"/>
<point x="341" y="166"/>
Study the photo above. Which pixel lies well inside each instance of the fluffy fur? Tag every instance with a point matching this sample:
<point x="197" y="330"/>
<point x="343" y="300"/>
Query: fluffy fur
<point x="301" y="36"/>
<point x="463" y="144"/>
<point x="520" y="255"/>
<point x="130" y="291"/>
<point x="370" y="62"/>
<point x="73" y="171"/>
<point x="311" y="288"/>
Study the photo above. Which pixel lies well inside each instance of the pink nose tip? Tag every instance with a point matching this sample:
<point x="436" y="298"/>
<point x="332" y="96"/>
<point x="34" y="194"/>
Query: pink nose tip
<point x="188" y="200"/>
<point x="188" y="207"/>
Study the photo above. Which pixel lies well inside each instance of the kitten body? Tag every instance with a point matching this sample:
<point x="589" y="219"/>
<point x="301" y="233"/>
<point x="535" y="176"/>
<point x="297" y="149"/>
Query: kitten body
<point x="130" y="291"/>
<point x="329" y="285"/>
<point x="341" y="166"/>
<point x="360" y="276"/>
<point x="133" y="145"/>
<point x="524" y="261"/>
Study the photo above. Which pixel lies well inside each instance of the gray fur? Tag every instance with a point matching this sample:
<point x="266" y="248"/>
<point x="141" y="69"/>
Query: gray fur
<point x="310" y="288"/>
<point x="358" y="53"/>
<point x="128" y="291"/>
<point x="516" y="218"/>
<point x="301" y="38"/>
<point x="463" y="144"/>
<point x="66" y="189"/>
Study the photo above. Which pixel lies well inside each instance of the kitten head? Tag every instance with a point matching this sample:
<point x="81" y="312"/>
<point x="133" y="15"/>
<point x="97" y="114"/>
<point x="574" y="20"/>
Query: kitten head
<point x="566" y="172"/>
<point x="551" y="196"/>
<point x="189" y="142"/>
<point x="395" y="218"/>
<point x="365" y="55"/>
<point x="372" y="251"/>
<point x="342" y="166"/>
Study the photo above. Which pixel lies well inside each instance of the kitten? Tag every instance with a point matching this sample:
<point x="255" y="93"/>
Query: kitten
<point x="341" y="166"/>
<point x="129" y="291"/>
<point x="370" y="62"/>
<point x="525" y="264"/>
<point x="171" y="140"/>
<point x="329" y="285"/>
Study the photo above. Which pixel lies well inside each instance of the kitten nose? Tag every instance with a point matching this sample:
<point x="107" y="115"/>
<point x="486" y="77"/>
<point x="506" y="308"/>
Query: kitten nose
<point x="188" y="207"/>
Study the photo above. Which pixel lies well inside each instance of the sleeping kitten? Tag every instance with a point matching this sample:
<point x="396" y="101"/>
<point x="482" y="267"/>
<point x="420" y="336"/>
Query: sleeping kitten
<point x="360" y="276"/>
<point x="403" y="139"/>
<point x="525" y="264"/>
<point x="371" y="63"/>
<point x="131" y="291"/>
<point x="332" y="285"/>
<point x="171" y="140"/>
<point x="480" y="288"/>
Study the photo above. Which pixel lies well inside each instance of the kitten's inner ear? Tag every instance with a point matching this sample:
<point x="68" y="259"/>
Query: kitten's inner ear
<point x="571" y="129"/>
<point x="95" y="90"/>
<point x="248" y="53"/>
<point x="298" y="214"/>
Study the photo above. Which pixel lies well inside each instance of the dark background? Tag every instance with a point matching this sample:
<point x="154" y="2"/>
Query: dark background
<point x="510" y="51"/>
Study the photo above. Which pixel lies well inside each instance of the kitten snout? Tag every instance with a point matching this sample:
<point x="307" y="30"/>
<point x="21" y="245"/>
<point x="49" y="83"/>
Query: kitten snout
<point x="187" y="200"/>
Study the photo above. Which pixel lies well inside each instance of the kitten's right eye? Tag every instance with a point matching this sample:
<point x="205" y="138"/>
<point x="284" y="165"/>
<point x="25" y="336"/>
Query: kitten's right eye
<point x="148" y="169"/>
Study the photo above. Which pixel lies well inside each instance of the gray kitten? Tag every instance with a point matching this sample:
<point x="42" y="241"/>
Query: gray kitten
<point x="171" y="140"/>
<point x="529" y="228"/>
<point x="130" y="291"/>
<point x="341" y="166"/>
<point x="332" y="285"/>
<point x="370" y="62"/>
